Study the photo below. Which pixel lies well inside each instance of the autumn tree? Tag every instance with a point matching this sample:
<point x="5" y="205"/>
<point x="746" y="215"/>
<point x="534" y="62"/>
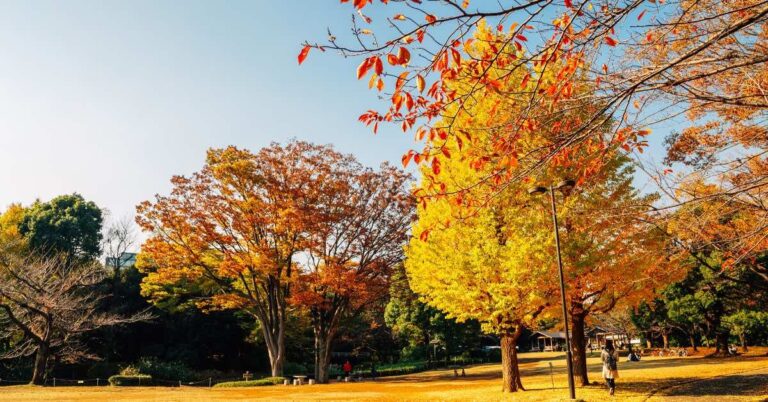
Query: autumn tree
<point x="609" y="253"/>
<point x="352" y="249"/>
<point x="649" y="62"/>
<point x="52" y="303"/>
<point x="420" y="328"/>
<point x="229" y="236"/>
<point x="483" y="268"/>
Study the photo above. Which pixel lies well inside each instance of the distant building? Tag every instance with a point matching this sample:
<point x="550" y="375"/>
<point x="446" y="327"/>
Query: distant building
<point x="126" y="260"/>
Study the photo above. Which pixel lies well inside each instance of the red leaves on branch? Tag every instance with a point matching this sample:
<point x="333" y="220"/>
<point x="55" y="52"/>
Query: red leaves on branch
<point x="303" y="54"/>
<point x="371" y="62"/>
<point x="610" y="41"/>
<point x="403" y="56"/>
<point x="430" y="19"/>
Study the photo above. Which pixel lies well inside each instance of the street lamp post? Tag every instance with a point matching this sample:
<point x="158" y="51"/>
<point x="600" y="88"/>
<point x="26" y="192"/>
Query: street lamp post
<point x="563" y="187"/>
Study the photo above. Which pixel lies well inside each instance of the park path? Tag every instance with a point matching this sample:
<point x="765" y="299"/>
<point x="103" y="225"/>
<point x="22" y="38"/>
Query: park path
<point x="746" y="385"/>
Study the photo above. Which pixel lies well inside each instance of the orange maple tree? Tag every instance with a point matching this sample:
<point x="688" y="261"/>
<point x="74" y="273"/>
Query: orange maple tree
<point x="352" y="252"/>
<point x="228" y="236"/>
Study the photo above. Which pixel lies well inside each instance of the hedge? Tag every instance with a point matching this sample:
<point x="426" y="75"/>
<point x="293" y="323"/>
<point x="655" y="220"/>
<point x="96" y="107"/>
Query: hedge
<point x="130" y="380"/>
<point x="253" y="383"/>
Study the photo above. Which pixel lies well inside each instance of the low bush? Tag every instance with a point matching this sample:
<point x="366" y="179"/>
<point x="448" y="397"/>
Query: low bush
<point x="292" y="368"/>
<point x="253" y="383"/>
<point x="157" y="368"/>
<point x="121" y="380"/>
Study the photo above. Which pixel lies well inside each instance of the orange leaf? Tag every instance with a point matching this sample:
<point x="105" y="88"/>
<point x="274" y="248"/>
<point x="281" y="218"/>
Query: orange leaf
<point x="569" y="3"/>
<point x="610" y="41"/>
<point x="407" y="158"/>
<point x="424" y="235"/>
<point x="403" y="56"/>
<point x="639" y="17"/>
<point x="378" y="66"/>
<point x="392" y="59"/>
<point x="431" y="18"/>
<point x="363" y="68"/>
<point x="303" y="54"/>
<point x="400" y="17"/>
<point x="436" y="166"/>
<point x="524" y="82"/>
<point x="420" y="83"/>
<point x="456" y="56"/>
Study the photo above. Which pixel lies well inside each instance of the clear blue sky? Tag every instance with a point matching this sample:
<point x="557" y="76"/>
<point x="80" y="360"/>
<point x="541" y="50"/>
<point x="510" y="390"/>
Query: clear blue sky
<point x="112" y="98"/>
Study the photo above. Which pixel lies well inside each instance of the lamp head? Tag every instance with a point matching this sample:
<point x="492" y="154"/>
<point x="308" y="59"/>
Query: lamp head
<point x="537" y="190"/>
<point x="566" y="186"/>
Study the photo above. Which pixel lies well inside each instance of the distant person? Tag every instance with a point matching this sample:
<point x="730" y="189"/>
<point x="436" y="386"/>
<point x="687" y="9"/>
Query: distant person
<point x="633" y="357"/>
<point x="347" y="367"/>
<point x="610" y="358"/>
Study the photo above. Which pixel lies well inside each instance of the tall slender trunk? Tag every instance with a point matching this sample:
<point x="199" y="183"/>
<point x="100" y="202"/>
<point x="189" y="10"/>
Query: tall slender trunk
<point x="743" y="340"/>
<point x="41" y="364"/>
<point x="665" y="338"/>
<point x="324" y="324"/>
<point x="693" y="342"/>
<point x="579" y="342"/>
<point x="510" y="371"/>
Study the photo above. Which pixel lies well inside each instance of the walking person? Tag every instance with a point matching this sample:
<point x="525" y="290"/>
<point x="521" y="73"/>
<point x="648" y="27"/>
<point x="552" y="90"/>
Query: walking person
<point x="347" y="367"/>
<point x="610" y="358"/>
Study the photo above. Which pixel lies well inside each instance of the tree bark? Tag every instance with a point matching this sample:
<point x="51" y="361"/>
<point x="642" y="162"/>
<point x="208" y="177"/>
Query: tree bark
<point x="721" y="342"/>
<point x="579" y="342"/>
<point x="693" y="342"/>
<point x="41" y="365"/>
<point x="510" y="372"/>
<point x="323" y="339"/>
<point x="743" y="340"/>
<point x="665" y="338"/>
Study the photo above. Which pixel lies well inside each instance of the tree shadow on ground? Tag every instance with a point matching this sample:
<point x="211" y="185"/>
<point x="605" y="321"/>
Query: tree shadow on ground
<point x="728" y="385"/>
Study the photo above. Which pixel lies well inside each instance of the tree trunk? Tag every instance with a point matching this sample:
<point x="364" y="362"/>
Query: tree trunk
<point x="41" y="360"/>
<point x="274" y="338"/>
<point x="721" y="342"/>
<point x="510" y="372"/>
<point x="579" y="343"/>
<point x="693" y="342"/>
<point x="665" y="339"/>
<point x="323" y="339"/>
<point x="743" y="340"/>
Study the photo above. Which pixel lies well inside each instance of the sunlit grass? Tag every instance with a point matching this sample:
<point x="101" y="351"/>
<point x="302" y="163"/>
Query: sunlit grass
<point x="654" y="378"/>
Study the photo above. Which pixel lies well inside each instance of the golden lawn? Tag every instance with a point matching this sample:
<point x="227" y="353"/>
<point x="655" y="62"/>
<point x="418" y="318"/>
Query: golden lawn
<point x="654" y="378"/>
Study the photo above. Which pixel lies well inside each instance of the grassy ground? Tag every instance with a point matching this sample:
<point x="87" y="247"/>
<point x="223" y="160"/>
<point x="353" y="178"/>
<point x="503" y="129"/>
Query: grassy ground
<point x="653" y="379"/>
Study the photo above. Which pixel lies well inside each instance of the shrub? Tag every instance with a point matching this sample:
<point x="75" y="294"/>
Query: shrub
<point x="156" y="368"/>
<point x="130" y="380"/>
<point x="291" y="368"/>
<point x="253" y="383"/>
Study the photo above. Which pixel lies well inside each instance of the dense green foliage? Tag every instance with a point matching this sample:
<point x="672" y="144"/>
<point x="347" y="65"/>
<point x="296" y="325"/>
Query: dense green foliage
<point x="67" y="224"/>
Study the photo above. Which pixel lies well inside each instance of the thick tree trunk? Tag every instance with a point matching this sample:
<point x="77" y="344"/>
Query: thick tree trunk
<point x="510" y="372"/>
<point x="323" y="339"/>
<point x="274" y="338"/>
<point x="41" y="365"/>
<point x="665" y="339"/>
<point x="579" y="343"/>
